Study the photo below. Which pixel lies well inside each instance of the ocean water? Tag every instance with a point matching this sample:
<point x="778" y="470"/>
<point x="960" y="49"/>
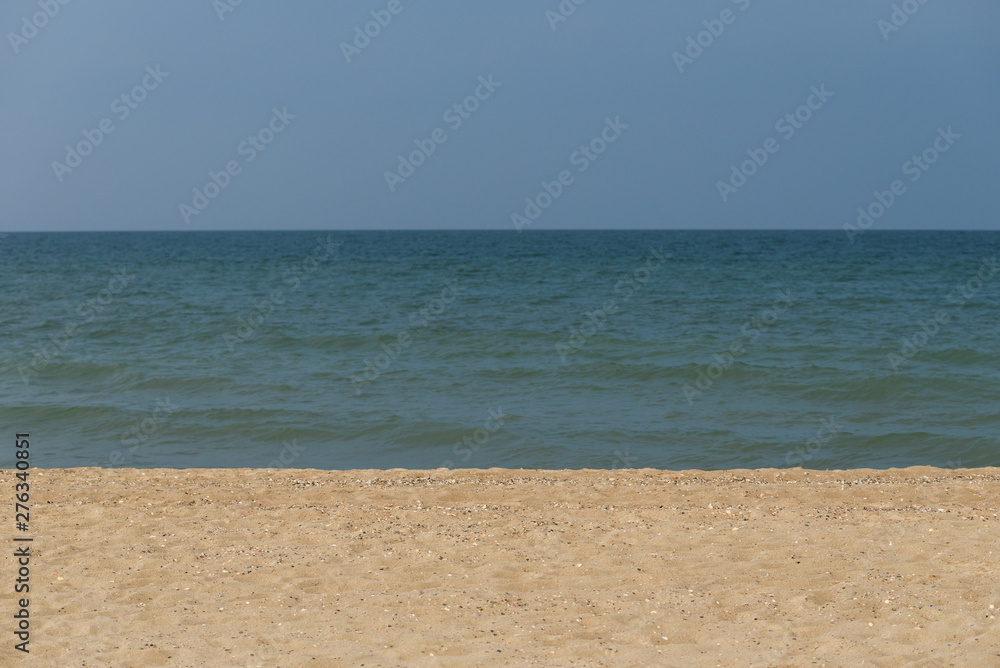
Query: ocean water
<point x="672" y="349"/>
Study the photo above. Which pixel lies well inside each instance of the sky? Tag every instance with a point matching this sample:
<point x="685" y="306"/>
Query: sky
<point x="636" y="114"/>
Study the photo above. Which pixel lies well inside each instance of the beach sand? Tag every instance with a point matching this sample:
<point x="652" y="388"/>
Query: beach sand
<point x="250" y="567"/>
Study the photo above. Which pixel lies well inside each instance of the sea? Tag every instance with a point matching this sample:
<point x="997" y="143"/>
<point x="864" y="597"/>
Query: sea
<point x="477" y="349"/>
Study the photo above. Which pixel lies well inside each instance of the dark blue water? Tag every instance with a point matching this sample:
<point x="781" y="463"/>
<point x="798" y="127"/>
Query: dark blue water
<point x="672" y="350"/>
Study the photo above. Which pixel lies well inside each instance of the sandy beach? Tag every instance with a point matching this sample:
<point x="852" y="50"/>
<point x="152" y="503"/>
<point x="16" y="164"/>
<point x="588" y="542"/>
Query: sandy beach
<point x="250" y="567"/>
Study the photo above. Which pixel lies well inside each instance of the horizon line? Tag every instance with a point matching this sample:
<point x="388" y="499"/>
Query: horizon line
<point x="496" y="229"/>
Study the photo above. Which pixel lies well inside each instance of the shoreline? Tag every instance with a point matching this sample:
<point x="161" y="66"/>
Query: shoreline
<point x="293" y="567"/>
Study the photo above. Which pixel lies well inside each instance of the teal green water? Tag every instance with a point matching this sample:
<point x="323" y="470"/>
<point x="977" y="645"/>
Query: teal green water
<point x="672" y="350"/>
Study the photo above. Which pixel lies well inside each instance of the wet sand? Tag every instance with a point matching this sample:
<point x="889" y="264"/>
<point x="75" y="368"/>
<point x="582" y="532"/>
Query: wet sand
<point x="250" y="567"/>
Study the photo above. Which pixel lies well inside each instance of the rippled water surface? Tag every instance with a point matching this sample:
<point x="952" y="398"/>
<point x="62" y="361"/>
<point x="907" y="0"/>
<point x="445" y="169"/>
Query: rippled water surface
<point x="476" y="349"/>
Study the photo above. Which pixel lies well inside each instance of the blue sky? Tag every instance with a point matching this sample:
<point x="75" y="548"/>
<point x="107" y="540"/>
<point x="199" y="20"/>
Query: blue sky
<point x="554" y="85"/>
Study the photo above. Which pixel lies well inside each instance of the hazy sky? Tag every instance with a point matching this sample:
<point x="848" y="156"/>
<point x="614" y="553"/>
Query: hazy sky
<point x="552" y="87"/>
